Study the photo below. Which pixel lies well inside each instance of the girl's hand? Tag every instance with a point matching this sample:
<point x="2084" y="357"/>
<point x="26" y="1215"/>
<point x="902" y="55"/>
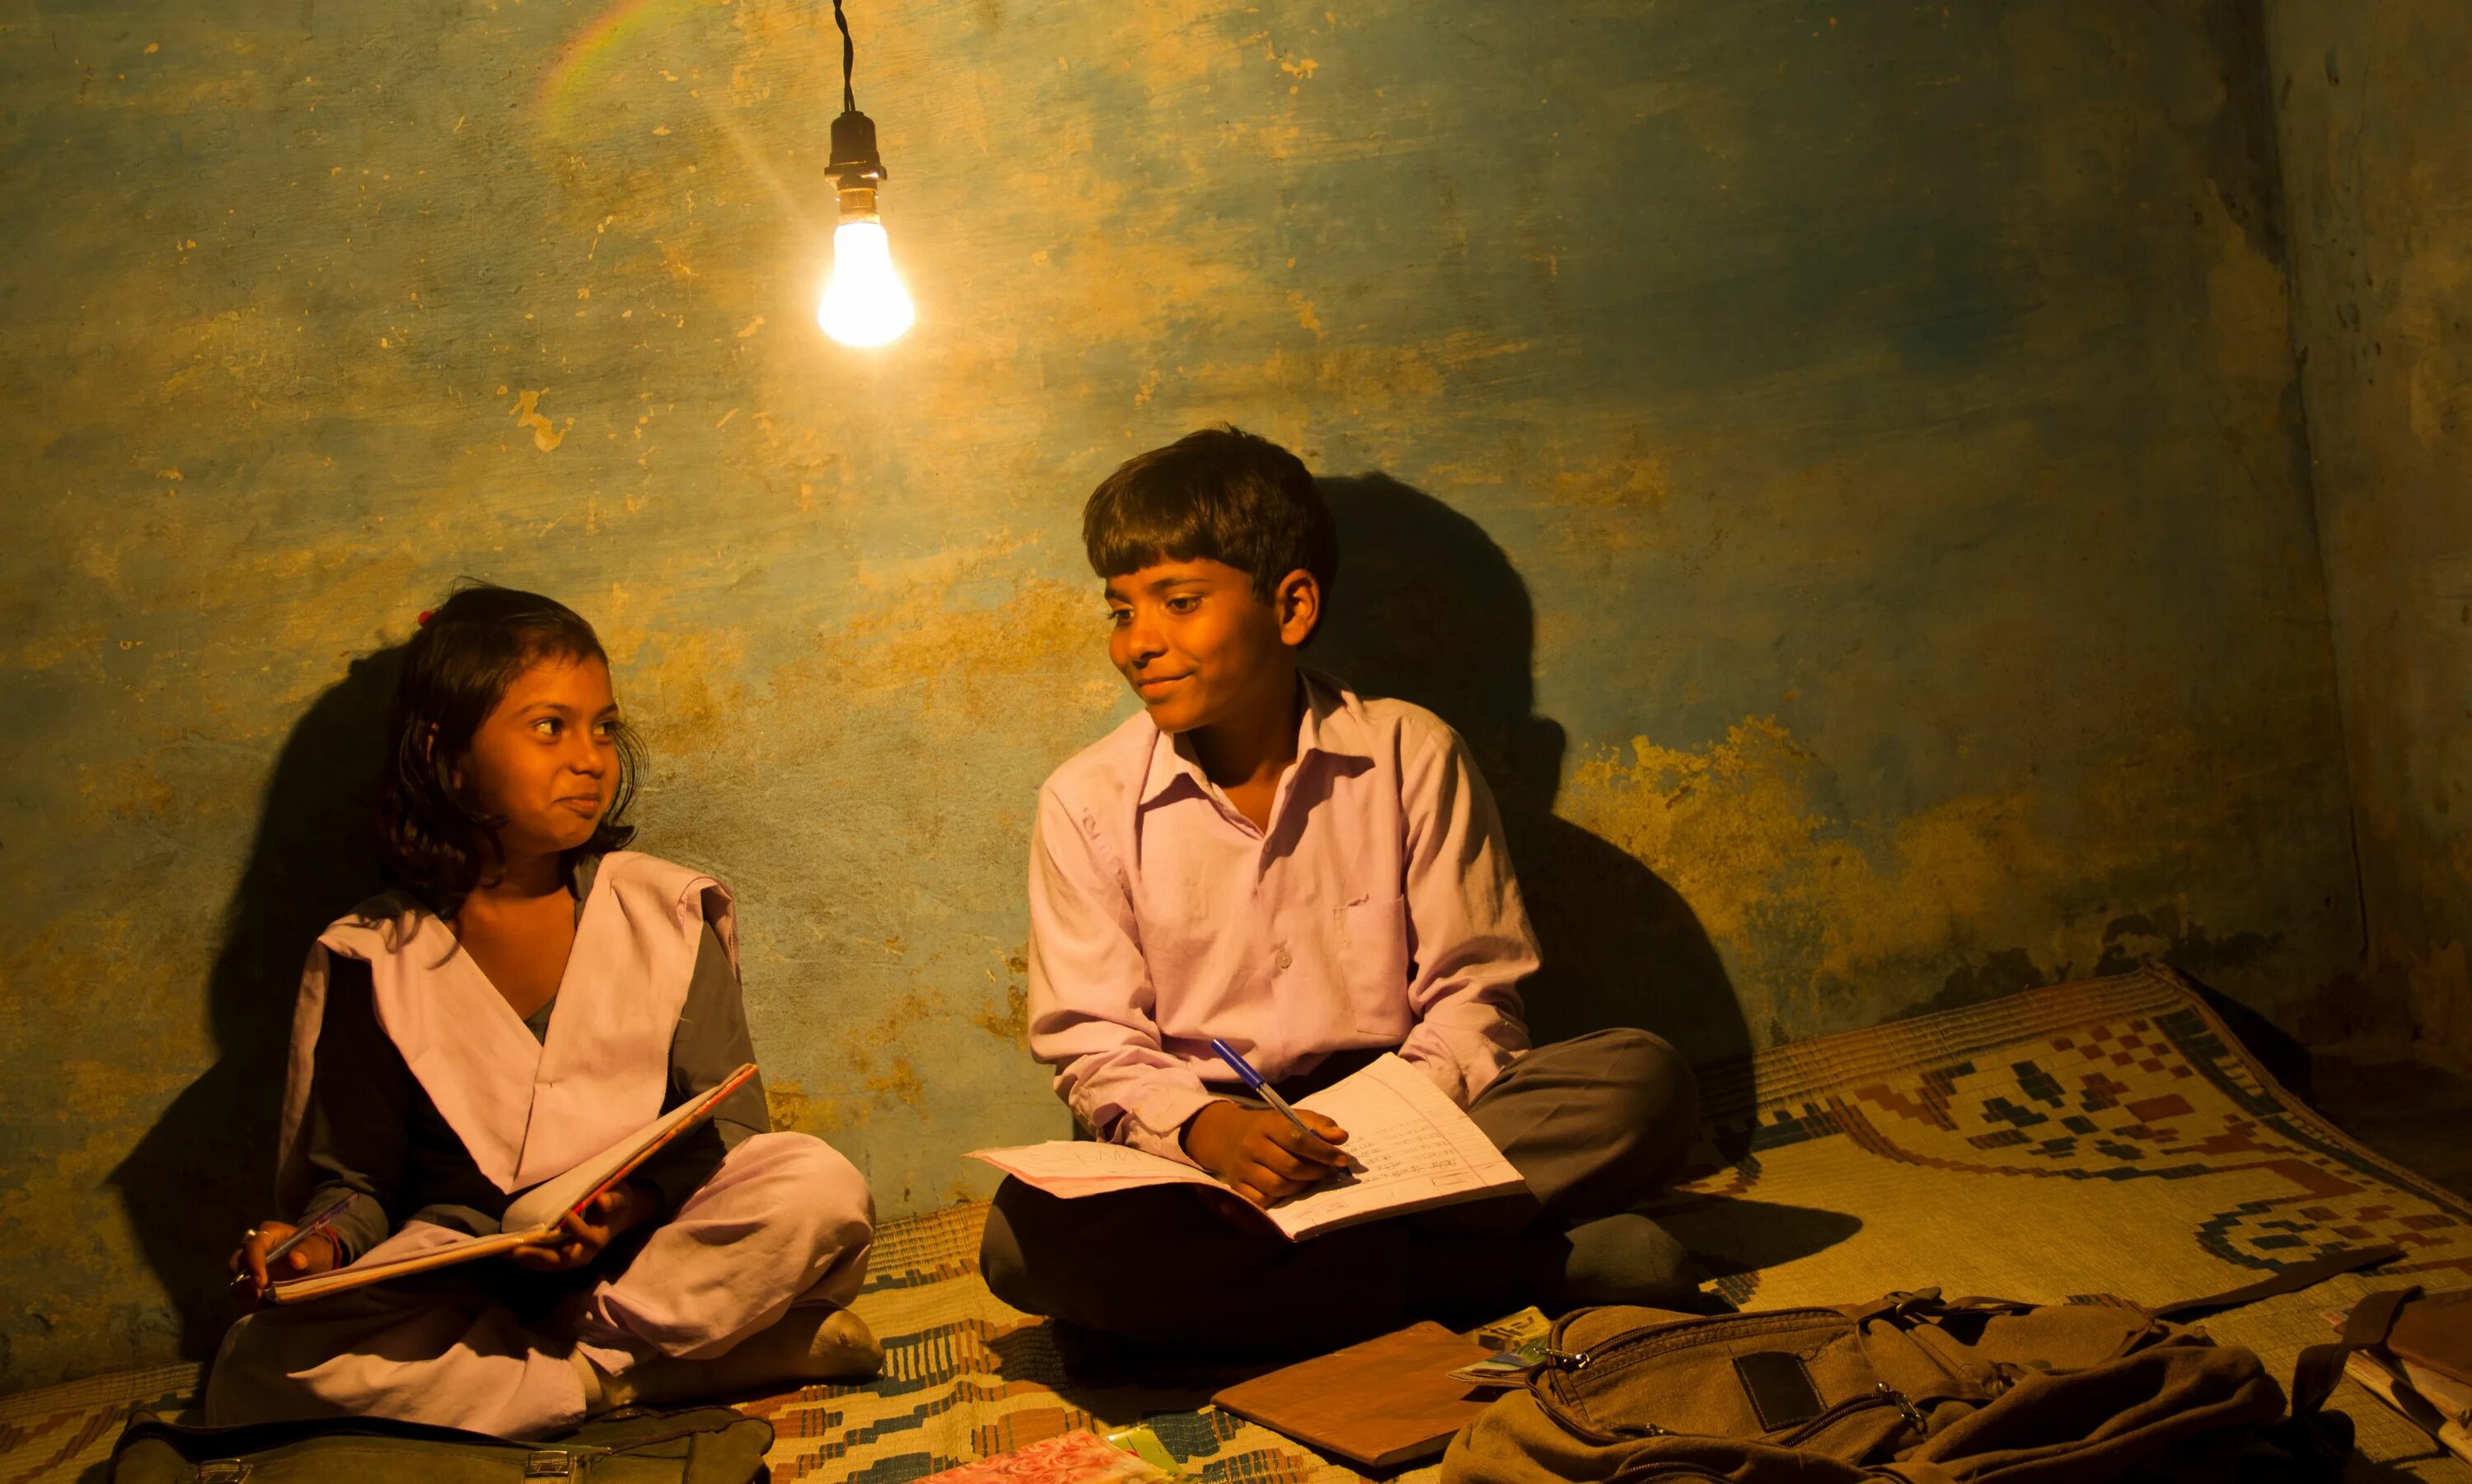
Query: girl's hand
<point x="585" y="1233"/>
<point x="316" y="1254"/>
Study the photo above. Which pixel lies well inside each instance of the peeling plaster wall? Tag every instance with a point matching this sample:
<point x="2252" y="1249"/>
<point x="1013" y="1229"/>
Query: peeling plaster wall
<point x="1842" y="467"/>
<point x="2377" y="148"/>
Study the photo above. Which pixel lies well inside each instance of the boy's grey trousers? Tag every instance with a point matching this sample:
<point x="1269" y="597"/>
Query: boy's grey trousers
<point x="1593" y="1123"/>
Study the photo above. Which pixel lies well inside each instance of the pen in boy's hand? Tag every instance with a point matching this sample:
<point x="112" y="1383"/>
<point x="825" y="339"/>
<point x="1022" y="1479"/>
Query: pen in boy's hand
<point x="1262" y="1090"/>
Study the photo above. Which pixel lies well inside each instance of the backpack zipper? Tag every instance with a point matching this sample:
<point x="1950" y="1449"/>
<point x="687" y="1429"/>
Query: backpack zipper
<point x="1623" y="1350"/>
<point x="1882" y="1394"/>
<point x="1561" y="1403"/>
<point x="1639" y="1344"/>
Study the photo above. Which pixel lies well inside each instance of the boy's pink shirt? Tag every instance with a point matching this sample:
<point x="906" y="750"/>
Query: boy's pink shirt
<point x="1379" y="909"/>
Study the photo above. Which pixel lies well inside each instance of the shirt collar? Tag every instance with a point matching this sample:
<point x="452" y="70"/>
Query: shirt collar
<point x="1333" y="725"/>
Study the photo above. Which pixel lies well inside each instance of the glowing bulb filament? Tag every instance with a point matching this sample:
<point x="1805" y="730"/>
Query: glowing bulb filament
<point x="863" y="303"/>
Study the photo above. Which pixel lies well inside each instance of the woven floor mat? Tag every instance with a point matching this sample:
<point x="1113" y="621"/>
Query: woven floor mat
<point x="2106" y="1137"/>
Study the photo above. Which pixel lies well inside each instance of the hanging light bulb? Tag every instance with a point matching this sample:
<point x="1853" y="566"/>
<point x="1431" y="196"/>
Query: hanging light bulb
<point x="864" y="302"/>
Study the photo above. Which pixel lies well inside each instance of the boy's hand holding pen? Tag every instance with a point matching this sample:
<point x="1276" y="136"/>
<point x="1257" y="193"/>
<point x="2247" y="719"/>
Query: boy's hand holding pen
<point x="1263" y="1153"/>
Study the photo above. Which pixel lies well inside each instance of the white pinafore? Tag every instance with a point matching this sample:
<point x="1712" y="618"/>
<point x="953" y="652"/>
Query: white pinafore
<point x="786" y="1220"/>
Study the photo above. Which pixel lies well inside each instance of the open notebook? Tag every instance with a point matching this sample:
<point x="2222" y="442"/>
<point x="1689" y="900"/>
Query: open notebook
<point x="534" y="1215"/>
<point x="1416" y="1148"/>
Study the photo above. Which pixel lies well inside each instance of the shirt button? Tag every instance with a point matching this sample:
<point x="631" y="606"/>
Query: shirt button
<point x="1281" y="961"/>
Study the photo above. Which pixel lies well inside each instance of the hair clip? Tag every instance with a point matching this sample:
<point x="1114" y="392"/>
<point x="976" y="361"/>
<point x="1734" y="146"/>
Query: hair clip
<point x="424" y="619"/>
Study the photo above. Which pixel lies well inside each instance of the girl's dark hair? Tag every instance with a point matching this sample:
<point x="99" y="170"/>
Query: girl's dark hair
<point x="456" y="670"/>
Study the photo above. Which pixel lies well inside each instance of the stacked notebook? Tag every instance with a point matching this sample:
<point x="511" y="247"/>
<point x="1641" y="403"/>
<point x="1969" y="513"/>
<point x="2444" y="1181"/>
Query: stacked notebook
<point x="2424" y="1369"/>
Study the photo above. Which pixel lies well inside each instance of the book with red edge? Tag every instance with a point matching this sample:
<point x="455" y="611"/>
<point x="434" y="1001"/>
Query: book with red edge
<point x="536" y="1216"/>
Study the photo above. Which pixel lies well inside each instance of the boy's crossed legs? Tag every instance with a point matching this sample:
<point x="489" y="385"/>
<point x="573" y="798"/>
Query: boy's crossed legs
<point x="1592" y="1123"/>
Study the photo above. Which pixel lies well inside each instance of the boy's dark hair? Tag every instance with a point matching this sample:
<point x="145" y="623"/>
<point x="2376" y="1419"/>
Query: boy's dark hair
<point x="456" y="670"/>
<point x="1221" y="493"/>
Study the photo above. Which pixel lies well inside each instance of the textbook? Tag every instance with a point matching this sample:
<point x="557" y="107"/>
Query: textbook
<point x="2389" y="1386"/>
<point x="2438" y="1404"/>
<point x="1412" y="1148"/>
<point x="534" y="1215"/>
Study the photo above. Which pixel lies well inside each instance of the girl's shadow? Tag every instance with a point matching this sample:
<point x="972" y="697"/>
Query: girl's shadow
<point x="205" y="1171"/>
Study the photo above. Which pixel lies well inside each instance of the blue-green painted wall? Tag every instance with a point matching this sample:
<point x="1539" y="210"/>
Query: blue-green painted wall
<point x="2377" y="144"/>
<point x="1840" y="464"/>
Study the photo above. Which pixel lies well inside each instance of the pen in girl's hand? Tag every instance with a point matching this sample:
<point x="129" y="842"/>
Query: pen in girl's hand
<point x="315" y="1224"/>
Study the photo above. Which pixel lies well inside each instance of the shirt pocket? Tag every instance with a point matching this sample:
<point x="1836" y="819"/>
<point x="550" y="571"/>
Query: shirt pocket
<point x="1369" y="945"/>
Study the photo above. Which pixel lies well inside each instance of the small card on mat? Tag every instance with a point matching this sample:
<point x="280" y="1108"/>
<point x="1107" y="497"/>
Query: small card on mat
<point x="1067" y="1458"/>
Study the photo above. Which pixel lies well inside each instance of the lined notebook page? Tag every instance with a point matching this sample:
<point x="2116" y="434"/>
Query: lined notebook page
<point x="1417" y="1149"/>
<point x="1414" y="1149"/>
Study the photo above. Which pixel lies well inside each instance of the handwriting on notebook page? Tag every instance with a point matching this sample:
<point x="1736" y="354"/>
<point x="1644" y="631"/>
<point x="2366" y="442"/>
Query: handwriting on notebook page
<point x="1415" y="1147"/>
<point x="1412" y="1146"/>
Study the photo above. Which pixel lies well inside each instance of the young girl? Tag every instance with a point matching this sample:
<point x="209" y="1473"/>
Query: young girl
<point x="529" y="995"/>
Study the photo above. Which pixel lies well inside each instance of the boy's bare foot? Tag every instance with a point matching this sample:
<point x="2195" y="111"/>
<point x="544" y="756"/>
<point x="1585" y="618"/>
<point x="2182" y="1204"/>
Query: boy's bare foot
<point x="812" y="1344"/>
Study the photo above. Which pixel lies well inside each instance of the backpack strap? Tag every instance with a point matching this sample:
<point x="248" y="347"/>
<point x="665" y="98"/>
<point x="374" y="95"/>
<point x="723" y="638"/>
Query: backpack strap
<point x="1893" y="1305"/>
<point x="2373" y="1318"/>
<point x="2320" y="1367"/>
<point x="2308" y="1275"/>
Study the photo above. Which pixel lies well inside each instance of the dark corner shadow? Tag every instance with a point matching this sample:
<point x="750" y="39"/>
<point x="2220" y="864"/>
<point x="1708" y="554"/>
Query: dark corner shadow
<point x="1728" y="1236"/>
<point x="1427" y="608"/>
<point x="2285" y="1059"/>
<point x="205" y="1171"/>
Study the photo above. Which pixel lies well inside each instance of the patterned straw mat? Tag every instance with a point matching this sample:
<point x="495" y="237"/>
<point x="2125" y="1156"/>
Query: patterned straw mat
<point x="2108" y="1137"/>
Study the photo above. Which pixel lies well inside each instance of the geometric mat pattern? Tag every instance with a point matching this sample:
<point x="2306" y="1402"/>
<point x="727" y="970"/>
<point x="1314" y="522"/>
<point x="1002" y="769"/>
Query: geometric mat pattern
<point x="2104" y="1138"/>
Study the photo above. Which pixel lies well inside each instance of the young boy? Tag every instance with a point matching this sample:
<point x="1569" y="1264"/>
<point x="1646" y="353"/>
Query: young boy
<point x="1263" y="856"/>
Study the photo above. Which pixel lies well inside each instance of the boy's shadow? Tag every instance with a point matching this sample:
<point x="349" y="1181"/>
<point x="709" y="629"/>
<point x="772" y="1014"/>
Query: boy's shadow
<point x="205" y="1171"/>
<point x="1427" y="608"/>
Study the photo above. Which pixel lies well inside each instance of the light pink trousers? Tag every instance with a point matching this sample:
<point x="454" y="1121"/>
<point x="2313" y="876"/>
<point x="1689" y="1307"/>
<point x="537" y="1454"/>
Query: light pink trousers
<point x="785" y="1222"/>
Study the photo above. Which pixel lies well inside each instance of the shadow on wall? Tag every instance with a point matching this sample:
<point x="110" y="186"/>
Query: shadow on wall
<point x="1428" y="608"/>
<point x="205" y="1171"/>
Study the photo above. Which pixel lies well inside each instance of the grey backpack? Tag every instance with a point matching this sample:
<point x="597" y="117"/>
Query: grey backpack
<point x="1913" y="1387"/>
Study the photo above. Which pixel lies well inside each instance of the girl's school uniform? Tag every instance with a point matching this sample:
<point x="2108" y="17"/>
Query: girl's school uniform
<point x="415" y="1088"/>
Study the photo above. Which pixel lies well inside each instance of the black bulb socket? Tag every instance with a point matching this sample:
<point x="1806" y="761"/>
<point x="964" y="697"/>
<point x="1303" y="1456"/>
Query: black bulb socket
<point x="854" y="156"/>
<point x="856" y="168"/>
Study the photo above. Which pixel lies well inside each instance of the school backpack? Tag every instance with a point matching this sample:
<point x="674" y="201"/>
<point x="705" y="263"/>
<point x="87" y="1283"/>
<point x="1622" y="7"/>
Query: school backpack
<point x="708" y="1444"/>
<point x="1916" y="1388"/>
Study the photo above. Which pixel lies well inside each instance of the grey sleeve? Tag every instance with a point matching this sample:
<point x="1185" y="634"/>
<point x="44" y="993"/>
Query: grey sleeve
<point x="357" y="1125"/>
<point x="711" y="1041"/>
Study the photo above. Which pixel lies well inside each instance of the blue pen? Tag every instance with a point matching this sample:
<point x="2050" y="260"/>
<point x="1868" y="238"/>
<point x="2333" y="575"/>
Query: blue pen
<point x="312" y="1227"/>
<point x="1254" y="1084"/>
<point x="300" y="1234"/>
